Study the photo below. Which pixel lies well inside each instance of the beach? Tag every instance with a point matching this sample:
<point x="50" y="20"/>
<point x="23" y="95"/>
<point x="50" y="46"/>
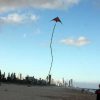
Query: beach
<point x="24" y="92"/>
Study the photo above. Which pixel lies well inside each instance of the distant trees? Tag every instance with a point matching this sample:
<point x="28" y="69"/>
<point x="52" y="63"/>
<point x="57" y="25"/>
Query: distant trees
<point x="0" y="75"/>
<point x="12" y="78"/>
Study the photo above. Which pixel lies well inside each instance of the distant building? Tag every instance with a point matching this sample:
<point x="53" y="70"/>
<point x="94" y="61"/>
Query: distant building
<point x="71" y="83"/>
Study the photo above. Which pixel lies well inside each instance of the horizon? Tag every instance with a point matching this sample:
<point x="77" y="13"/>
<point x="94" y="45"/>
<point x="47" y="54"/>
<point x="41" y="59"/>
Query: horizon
<point x="76" y="84"/>
<point x="25" y="32"/>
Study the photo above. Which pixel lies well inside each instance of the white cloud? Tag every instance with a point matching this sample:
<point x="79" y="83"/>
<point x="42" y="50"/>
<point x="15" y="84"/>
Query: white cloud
<point x="12" y="18"/>
<point x="45" y="4"/>
<point x="17" y="18"/>
<point x="81" y="41"/>
<point x="33" y="17"/>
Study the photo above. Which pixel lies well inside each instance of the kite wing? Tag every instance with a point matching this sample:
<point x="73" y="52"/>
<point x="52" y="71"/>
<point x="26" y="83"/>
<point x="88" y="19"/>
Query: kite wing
<point x="57" y="19"/>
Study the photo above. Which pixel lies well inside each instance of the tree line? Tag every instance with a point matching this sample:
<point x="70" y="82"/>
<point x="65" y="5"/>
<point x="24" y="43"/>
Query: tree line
<point x="12" y="78"/>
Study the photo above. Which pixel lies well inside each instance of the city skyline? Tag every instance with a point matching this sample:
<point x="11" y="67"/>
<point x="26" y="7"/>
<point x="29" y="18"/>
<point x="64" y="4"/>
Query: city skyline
<point x="25" y="30"/>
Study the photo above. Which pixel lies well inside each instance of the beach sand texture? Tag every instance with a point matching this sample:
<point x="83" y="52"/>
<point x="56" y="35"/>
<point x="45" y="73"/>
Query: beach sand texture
<point x="23" y="92"/>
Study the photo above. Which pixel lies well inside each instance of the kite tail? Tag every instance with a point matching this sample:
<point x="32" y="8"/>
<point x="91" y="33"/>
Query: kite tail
<point x="51" y="48"/>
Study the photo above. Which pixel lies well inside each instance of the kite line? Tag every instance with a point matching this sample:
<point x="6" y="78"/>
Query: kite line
<point x="51" y="41"/>
<point x="51" y="48"/>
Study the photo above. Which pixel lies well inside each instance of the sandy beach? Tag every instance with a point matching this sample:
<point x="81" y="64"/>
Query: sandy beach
<point x="23" y="92"/>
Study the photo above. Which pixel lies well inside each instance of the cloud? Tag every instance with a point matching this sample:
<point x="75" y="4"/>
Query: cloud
<point x="17" y="18"/>
<point x="81" y="41"/>
<point x="12" y="18"/>
<point x="6" y="5"/>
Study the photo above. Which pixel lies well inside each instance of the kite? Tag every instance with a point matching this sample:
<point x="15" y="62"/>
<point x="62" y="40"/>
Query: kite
<point x="57" y="19"/>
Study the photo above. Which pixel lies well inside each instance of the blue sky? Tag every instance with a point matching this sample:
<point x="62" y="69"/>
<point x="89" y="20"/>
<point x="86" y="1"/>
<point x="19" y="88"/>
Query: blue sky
<point x="25" y="30"/>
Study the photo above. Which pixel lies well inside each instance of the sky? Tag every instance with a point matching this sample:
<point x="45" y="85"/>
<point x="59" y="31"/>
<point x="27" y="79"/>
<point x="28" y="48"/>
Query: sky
<point x="25" y="32"/>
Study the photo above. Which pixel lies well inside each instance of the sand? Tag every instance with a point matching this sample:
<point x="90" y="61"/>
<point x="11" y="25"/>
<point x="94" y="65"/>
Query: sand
<point x="23" y="92"/>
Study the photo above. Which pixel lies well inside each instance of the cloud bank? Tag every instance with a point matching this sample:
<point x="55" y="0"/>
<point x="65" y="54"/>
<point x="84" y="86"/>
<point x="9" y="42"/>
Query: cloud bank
<point x="81" y="41"/>
<point x="6" y="5"/>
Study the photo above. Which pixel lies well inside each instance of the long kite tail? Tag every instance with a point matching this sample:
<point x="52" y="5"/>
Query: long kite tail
<point x="51" y="48"/>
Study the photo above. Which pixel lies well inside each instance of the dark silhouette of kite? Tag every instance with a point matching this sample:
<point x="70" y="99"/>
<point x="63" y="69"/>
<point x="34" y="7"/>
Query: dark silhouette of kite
<point x="57" y="19"/>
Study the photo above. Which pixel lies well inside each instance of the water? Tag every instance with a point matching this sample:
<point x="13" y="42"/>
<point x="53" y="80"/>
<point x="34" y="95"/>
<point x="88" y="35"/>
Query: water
<point x="86" y="85"/>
